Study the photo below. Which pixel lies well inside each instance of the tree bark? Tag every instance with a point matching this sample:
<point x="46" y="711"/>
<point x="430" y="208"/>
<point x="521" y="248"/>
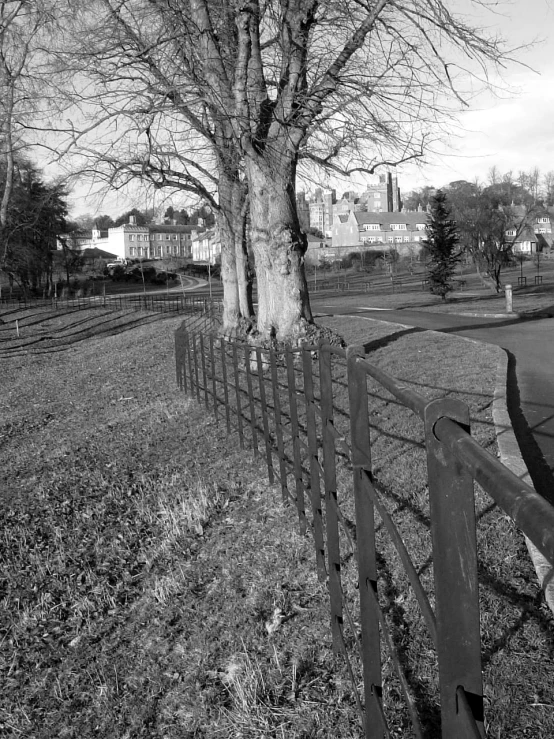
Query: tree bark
<point x="279" y="246"/>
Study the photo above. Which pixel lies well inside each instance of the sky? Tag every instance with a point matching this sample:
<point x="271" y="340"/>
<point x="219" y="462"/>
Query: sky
<point x="514" y="130"/>
<point x="511" y="130"/>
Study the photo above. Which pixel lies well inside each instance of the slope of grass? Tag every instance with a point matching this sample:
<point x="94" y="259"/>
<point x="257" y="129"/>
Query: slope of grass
<point x="153" y="585"/>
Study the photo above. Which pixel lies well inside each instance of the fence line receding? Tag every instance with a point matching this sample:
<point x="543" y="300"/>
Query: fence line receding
<point x="306" y="412"/>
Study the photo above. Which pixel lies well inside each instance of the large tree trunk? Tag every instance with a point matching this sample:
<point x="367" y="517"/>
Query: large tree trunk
<point x="237" y="300"/>
<point x="279" y="246"/>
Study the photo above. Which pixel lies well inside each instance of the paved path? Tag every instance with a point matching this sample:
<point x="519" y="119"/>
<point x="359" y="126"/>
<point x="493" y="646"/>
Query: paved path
<point x="530" y="346"/>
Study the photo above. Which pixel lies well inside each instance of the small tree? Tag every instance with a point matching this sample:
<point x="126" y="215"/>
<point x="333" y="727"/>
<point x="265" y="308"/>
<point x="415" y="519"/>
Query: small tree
<point x="442" y="246"/>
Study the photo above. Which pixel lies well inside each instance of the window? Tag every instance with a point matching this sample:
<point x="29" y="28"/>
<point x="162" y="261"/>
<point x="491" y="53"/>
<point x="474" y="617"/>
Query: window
<point x="175" y="237"/>
<point x="407" y="238"/>
<point x="131" y="237"/>
<point x="139" y="251"/>
<point x="159" y="251"/>
<point x="132" y="251"/>
<point x="160" y="237"/>
<point x="510" y="232"/>
<point x="372" y="226"/>
<point x="167" y="237"/>
<point x="398" y="226"/>
<point x="420" y="226"/>
<point x="542" y="230"/>
<point x="390" y="239"/>
<point x="543" y="220"/>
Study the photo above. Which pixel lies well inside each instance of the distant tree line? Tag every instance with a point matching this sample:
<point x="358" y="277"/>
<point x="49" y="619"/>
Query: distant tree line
<point x="490" y="218"/>
<point x="182" y="217"/>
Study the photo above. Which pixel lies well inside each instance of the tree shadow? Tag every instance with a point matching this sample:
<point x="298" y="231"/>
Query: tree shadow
<point x="539" y="470"/>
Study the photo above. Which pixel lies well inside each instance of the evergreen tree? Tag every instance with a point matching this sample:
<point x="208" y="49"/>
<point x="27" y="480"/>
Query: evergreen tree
<point x="442" y="246"/>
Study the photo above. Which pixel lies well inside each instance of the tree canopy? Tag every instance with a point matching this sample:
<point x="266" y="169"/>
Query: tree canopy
<point x="229" y="101"/>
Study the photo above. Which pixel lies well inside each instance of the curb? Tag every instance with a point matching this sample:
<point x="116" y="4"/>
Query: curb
<point x="510" y="456"/>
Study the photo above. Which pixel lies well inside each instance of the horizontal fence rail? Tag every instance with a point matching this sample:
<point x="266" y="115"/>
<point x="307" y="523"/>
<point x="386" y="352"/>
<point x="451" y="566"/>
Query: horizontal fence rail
<point x="306" y="412"/>
<point x="157" y="302"/>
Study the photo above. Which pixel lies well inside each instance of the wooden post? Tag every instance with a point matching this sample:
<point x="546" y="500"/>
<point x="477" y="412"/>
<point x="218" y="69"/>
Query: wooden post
<point x="455" y="571"/>
<point x="365" y="533"/>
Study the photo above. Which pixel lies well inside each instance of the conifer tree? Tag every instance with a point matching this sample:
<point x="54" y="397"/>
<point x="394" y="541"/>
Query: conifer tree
<point x="442" y="246"/>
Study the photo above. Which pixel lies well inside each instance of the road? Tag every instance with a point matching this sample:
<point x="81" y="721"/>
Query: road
<point x="530" y="347"/>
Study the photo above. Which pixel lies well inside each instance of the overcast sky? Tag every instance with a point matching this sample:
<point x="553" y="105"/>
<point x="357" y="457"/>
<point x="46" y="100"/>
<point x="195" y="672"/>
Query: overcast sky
<point x="515" y="130"/>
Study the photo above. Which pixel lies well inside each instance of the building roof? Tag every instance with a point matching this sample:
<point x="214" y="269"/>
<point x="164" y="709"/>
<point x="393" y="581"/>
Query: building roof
<point x="168" y="228"/>
<point x="385" y="218"/>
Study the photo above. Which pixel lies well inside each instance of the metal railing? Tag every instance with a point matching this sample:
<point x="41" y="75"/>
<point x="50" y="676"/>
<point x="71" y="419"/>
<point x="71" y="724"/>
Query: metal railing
<point x="155" y="302"/>
<point x="312" y="416"/>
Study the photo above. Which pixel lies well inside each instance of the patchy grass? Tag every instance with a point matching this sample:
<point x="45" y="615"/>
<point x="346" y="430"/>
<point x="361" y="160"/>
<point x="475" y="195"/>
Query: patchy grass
<point x="153" y="585"/>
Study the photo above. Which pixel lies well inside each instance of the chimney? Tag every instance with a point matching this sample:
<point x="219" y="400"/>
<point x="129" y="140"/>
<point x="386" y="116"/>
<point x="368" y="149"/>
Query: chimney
<point x="132" y="220"/>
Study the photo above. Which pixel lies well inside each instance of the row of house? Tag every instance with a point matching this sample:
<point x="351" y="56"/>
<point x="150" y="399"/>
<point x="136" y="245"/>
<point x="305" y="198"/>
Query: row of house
<point x="352" y="230"/>
<point x="404" y="231"/>
<point x="155" y="241"/>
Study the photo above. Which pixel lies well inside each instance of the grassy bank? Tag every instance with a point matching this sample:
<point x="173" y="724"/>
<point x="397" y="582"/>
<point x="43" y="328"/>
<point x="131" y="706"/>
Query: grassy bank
<point x="144" y="555"/>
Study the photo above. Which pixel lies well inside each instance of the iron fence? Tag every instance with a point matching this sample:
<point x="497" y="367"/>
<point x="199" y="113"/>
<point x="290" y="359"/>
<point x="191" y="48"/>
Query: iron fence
<point x="155" y="302"/>
<point x="306" y="412"/>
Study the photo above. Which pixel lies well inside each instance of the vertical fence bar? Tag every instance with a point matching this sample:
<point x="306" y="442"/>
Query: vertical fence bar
<point x="278" y="426"/>
<point x="315" y="486"/>
<point x="331" y="503"/>
<point x="204" y="373"/>
<point x="196" y="367"/>
<point x="180" y="360"/>
<point x="365" y="534"/>
<point x="294" y="430"/>
<point x="265" y="415"/>
<point x="223" y="347"/>
<point x="214" y="378"/>
<point x="252" y="406"/>
<point x="237" y="395"/>
<point x="189" y="362"/>
<point x="453" y="533"/>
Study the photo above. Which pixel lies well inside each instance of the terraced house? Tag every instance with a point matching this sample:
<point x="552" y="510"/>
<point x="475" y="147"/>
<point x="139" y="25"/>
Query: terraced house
<point x="155" y="241"/>
<point x="381" y="231"/>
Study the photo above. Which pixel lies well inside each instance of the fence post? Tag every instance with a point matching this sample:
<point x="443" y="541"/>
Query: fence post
<point x="214" y="378"/>
<point x="293" y="409"/>
<point x="278" y="426"/>
<point x="365" y="534"/>
<point x="237" y="394"/>
<point x="247" y="351"/>
<point x="204" y="373"/>
<point x="196" y="368"/>
<point x="222" y="344"/>
<point x="331" y="503"/>
<point x="315" y="486"/>
<point x="265" y="417"/>
<point x="180" y="360"/>
<point x="452" y="509"/>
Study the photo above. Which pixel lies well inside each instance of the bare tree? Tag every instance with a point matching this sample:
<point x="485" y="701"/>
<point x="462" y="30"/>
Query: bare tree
<point x="268" y="87"/>
<point x="491" y="220"/>
<point x="24" y="27"/>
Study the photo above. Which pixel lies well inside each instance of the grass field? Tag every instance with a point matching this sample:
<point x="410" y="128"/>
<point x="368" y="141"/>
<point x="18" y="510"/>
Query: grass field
<point x="143" y="553"/>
